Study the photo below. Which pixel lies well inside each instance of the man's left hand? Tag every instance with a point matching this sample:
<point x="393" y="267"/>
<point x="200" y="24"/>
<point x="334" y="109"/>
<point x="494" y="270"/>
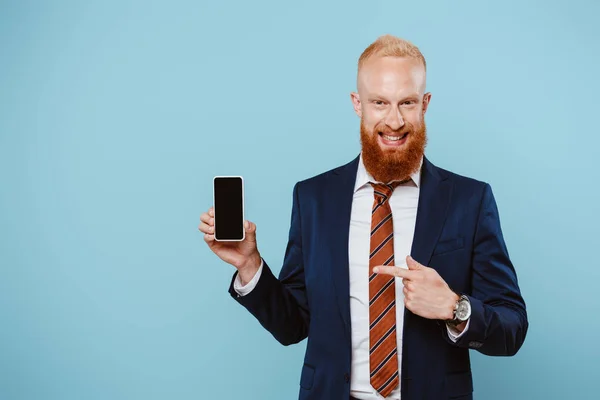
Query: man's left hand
<point x="425" y="292"/>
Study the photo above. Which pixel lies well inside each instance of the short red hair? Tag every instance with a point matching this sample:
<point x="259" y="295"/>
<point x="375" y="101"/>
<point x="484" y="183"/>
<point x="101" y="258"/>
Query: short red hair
<point x="391" y="46"/>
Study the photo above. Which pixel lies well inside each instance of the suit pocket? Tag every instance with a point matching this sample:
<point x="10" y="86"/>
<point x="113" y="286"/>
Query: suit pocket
<point x="458" y="385"/>
<point x="449" y="245"/>
<point x="307" y="377"/>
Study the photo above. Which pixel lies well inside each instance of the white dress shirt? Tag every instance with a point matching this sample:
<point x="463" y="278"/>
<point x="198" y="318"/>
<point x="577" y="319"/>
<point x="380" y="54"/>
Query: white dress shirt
<point x="403" y="202"/>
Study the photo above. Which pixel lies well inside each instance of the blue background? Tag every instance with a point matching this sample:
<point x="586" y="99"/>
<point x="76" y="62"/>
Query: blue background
<point x="115" y="116"/>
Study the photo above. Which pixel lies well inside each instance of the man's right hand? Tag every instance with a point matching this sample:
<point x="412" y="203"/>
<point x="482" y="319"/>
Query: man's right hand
<point x="243" y="255"/>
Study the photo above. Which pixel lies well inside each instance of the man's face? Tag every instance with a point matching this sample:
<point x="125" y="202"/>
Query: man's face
<point x="391" y="104"/>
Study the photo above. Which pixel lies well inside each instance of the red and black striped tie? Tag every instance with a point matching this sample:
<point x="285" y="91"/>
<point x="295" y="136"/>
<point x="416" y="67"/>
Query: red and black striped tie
<point x="383" y="351"/>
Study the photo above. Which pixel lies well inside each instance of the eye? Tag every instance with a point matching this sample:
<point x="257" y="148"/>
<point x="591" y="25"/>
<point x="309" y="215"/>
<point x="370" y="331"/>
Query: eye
<point x="409" y="102"/>
<point x="378" y="102"/>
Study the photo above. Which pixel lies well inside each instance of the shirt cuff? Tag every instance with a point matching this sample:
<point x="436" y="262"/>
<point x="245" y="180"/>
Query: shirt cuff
<point x="453" y="334"/>
<point x="243" y="290"/>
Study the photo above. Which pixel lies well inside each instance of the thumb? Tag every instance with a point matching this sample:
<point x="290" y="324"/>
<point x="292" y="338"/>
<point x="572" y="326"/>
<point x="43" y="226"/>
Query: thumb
<point x="250" y="228"/>
<point x="412" y="264"/>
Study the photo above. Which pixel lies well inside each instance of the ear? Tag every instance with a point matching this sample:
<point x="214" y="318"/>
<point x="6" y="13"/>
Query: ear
<point x="426" y="100"/>
<point x="356" y="103"/>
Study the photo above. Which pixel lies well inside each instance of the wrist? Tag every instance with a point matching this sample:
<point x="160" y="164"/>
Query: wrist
<point x="247" y="270"/>
<point x="451" y="308"/>
<point x="461" y="313"/>
<point x="460" y="327"/>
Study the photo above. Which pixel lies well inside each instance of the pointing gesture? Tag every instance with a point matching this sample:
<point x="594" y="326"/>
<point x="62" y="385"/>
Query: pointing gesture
<point x="425" y="292"/>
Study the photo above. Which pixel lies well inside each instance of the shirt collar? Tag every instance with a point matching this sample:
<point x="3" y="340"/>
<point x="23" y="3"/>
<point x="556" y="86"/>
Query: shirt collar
<point x="363" y="177"/>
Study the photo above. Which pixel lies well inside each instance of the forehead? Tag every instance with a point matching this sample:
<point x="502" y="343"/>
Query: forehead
<point x="392" y="76"/>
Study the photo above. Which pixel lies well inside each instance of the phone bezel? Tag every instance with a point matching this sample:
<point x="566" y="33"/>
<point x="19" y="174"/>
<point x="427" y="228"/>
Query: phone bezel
<point x="243" y="208"/>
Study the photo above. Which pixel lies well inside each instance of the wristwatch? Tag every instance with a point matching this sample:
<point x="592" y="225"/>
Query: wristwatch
<point x="462" y="311"/>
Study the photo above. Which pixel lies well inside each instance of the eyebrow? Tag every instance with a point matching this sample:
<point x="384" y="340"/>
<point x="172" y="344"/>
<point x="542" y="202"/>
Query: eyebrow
<point x="412" y="96"/>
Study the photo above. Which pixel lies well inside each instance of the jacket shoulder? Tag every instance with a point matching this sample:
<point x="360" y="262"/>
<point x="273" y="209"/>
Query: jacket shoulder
<point x="462" y="181"/>
<point x="322" y="177"/>
<point x="465" y="187"/>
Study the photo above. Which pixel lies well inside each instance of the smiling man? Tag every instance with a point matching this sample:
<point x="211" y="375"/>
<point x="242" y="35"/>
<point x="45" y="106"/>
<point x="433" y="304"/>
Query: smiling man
<point x="394" y="267"/>
<point x="394" y="106"/>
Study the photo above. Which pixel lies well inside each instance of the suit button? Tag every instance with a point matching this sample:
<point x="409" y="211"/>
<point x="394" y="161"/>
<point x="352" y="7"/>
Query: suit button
<point x="347" y="377"/>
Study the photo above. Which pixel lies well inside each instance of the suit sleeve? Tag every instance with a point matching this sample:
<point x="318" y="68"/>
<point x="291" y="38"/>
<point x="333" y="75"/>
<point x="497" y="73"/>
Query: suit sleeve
<point x="498" y="323"/>
<point x="280" y="305"/>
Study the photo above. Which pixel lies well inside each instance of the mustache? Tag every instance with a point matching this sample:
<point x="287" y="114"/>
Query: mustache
<point x="386" y="130"/>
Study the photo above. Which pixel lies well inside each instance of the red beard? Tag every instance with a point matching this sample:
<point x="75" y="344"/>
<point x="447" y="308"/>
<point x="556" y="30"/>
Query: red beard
<point x="393" y="164"/>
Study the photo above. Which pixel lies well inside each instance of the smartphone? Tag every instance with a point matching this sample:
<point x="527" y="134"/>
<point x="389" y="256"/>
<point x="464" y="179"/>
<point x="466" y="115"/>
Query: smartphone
<point x="228" y="200"/>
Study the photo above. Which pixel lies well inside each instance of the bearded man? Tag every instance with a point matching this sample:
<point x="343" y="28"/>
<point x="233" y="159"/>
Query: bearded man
<point x="394" y="268"/>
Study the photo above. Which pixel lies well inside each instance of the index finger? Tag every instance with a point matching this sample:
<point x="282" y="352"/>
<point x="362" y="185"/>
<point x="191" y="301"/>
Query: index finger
<point x="394" y="271"/>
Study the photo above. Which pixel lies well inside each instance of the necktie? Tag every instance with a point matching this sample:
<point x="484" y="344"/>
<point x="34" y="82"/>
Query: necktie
<point x="383" y="351"/>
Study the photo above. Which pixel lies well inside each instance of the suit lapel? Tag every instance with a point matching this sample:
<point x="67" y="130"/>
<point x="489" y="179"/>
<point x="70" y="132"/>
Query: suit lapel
<point x="337" y="219"/>
<point x="434" y="199"/>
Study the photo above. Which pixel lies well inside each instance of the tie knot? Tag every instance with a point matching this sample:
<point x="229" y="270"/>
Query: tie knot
<point x="383" y="191"/>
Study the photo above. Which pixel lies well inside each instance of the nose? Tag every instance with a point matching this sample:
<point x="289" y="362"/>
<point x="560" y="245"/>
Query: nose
<point x="394" y="119"/>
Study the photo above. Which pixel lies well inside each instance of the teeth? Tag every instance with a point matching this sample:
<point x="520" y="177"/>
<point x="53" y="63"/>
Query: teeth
<point x="393" y="138"/>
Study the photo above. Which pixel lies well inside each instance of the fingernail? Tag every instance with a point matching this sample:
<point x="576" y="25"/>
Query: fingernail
<point x="376" y="270"/>
<point x="246" y="224"/>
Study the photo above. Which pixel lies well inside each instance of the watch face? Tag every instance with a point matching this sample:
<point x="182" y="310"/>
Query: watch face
<point x="463" y="310"/>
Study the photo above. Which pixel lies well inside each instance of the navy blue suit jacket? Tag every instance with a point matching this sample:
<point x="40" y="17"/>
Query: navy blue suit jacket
<point x="457" y="232"/>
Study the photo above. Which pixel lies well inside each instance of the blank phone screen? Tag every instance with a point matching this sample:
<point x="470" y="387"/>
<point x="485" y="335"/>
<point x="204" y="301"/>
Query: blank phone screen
<point x="229" y="208"/>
